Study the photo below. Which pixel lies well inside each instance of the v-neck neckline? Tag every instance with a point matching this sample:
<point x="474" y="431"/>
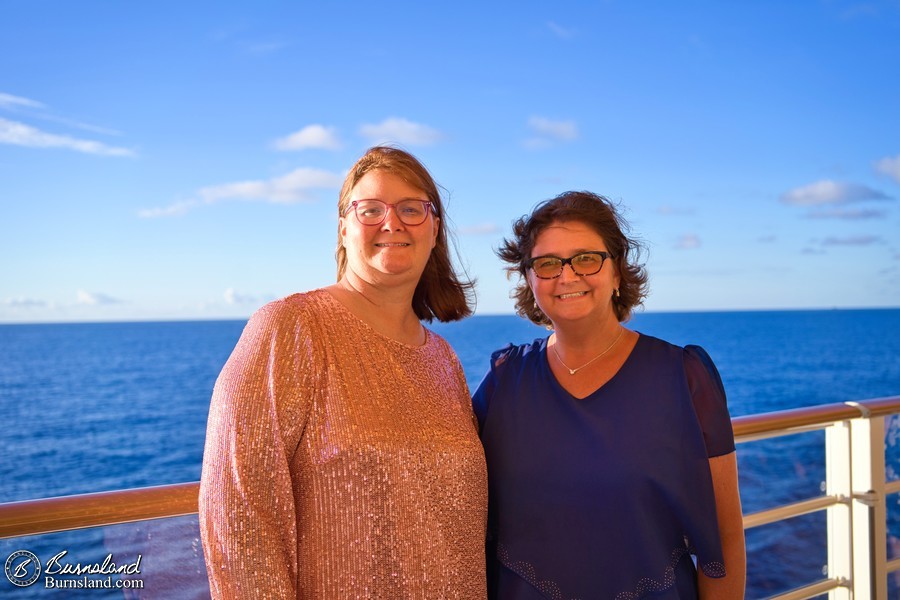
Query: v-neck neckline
<point x="545" y="363"/>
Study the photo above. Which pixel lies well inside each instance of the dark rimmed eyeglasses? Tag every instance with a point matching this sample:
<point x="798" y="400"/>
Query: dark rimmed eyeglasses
<point x="551" y="267"/>
<point x="374" y="212"/>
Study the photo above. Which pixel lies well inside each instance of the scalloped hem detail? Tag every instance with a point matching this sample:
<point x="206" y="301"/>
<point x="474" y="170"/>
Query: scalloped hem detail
<point x="646" y="585"/>
<point x="526" y="571"/>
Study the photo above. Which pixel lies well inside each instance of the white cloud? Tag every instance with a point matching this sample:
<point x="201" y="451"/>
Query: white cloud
<point x="96" y="299"/>
<point x="564" y="131"/>
<point x="688" y="241"/>
<point x="39" y="110"/>
<point x="173" y="210"/>
<point x="399" y="130"/>
<point x="480" y="229"/>
<point x="889" y="166"/>
<point x="854" y="240"/>
<point x="827" y="192"/>
<point x="548" y="132"/>
<point x="8" y="100"/>
<point x="311" y="136"/>
<point x="847" y="214"/>
<point x="287" y="189"/>
<point x="291" y="188"/>
<point x="562" y="32"/>
<point x="19" y="134"/>
<point x="24" y="303"/>
<point x="233" y="297"/>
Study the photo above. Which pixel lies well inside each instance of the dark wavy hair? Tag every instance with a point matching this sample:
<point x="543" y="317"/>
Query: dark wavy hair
<point x="441" y="293"/>
<point x="599" y="214"/>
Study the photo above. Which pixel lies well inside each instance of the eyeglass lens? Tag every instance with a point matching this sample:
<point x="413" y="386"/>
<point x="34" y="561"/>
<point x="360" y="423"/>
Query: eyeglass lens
<point x="374" y="212"/>
<point x="548" y="267"/>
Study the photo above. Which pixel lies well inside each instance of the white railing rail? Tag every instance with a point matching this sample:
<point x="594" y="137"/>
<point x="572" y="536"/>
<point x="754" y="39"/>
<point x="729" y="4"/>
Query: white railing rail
<point x="854" y="498"/>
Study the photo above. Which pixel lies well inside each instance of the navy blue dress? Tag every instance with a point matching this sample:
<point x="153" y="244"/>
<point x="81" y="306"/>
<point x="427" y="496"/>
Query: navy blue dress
<point x="608" y="496"/>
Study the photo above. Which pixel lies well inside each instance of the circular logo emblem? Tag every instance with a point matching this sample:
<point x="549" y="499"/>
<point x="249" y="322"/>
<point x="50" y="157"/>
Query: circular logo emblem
<point x="23" y="568"/>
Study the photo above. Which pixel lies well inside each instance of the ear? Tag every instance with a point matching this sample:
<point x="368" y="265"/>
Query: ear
<point x="342" y="229"/>
<point x="437" y="229"/>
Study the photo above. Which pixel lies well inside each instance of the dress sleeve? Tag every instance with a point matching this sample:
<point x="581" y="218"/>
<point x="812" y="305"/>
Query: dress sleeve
<point x="482" y="396"/>
<point x="710" y="404"/>
<point x="256" y="417"/>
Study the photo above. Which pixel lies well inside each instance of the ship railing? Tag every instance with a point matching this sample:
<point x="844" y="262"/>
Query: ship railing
<point x="854" y="497"/>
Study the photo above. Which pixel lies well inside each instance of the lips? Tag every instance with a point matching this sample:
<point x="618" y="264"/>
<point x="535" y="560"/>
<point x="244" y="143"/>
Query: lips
<point x="392" y="244"/>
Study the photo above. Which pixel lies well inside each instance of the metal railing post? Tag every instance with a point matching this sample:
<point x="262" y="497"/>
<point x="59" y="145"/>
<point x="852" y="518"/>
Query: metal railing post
<point x="869" y="513"/>
<point x="839" y="483"/>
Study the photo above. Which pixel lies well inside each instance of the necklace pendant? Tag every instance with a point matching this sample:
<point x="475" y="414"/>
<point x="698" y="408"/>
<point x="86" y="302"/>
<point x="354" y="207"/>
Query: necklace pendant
<point x="572" y="371"/>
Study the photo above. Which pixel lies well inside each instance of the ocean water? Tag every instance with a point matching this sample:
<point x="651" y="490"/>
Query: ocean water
<point x="105" y="406"/>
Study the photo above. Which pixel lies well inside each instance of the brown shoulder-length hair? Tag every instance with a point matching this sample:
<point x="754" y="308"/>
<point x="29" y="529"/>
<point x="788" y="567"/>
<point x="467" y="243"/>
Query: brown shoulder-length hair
<point x="599" y="214"/>
<point x="441" y="293"/>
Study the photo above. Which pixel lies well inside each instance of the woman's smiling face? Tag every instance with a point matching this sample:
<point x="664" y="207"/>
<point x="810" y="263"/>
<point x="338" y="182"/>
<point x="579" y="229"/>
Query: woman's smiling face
<point x="383" y="253"/>
<point x="572" y="297"/>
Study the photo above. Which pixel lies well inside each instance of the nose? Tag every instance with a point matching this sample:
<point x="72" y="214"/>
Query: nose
<point x="568" y="273"/>
<point x="392" y="221"/>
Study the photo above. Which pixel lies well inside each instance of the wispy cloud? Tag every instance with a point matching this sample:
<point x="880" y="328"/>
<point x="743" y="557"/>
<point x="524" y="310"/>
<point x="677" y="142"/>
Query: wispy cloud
<point x="10" y="101"/>
<point x="292" y="188"/>
<point x="173" y="210"/>
<point x="767" y="239"/>
<point x="889" y="166"/>
<point x="548" y="132"/>
<point x="96" y="299"/>
<point x="39" y="110"/>
<point x="288" y="189"/>
<point x="19" y="134"/>
<point x="565" y="33"/>
<point x="22" y="302"/>
<point x="263" y="47"/>
<point x="403" y="131"/>
<point x="847" y="214"/>
<point x="853" y="240"/>
<point x="688" y="241"/>
<point x="232" y="296"/>
<point x="480" y="229"/>
<point x="827" y="192"/>
<point x="311" y="136"/>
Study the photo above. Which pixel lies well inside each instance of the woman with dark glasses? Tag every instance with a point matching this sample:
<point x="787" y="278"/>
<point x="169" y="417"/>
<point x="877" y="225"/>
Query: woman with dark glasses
<point x="342" y="458"/>
<point x="610" y="453"/>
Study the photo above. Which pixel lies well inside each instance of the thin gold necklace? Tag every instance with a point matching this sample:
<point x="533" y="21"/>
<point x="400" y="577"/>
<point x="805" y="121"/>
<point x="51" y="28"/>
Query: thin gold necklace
<point x="573" y="371"/>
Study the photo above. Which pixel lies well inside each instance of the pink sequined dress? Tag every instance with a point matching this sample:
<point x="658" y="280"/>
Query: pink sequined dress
<point x="341" y="464"/>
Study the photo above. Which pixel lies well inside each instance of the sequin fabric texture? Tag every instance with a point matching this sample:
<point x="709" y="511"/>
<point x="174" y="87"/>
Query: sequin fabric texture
<point x="341" y="464"/>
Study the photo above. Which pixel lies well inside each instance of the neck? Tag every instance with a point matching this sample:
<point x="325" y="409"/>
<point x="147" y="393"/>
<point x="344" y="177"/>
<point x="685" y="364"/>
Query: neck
<point x="579" y="341"/>
<point x="387" y="309"/>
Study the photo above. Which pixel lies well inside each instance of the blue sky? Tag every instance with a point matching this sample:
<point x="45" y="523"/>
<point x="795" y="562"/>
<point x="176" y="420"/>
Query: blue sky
<point x="181" y="160"/>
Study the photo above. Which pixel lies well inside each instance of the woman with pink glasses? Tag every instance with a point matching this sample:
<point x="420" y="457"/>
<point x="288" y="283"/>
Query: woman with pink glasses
<point x="342" y="458"/>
